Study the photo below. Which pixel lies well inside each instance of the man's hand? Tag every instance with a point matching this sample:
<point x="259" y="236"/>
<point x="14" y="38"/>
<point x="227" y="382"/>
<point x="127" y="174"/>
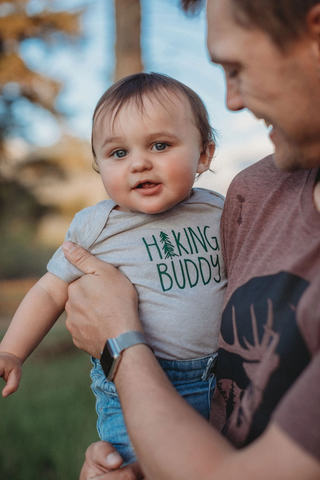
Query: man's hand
<point x="10" y="371"/>
<point x="102" y="304"/>
<point x="103" y="462"/>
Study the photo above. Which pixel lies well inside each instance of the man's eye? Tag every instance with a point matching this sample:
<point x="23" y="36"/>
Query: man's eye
<point x="159" y="146"/>
<point x="119" y="153"/>
<point x="232" y="72"/>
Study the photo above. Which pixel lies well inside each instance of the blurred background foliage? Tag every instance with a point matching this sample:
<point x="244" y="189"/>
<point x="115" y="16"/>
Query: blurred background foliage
<point x="47" y="425"/>
<point x="21" y="209"/>
<point x="42" y="189"/>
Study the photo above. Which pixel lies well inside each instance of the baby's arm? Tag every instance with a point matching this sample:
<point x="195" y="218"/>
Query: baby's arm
<point x="36" y="314"/>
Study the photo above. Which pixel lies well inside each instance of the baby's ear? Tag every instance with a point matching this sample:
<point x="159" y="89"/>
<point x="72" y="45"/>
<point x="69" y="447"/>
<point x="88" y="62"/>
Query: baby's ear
<point x="206" y="158"/>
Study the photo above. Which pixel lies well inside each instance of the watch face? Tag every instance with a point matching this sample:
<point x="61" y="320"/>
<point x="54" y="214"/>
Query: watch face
<point x="106" y="361"/>
<point x="109" y="360"/>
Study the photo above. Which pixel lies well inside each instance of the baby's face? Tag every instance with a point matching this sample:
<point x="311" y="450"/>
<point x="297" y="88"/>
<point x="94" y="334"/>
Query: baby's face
<point x="148" y="159"/>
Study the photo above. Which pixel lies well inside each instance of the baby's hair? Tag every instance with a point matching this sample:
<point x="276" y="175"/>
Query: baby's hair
<point x="153" y="85"/>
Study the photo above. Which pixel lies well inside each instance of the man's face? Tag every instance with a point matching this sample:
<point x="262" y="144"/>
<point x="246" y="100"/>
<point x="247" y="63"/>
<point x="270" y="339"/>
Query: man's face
<point x="283" y="88"/>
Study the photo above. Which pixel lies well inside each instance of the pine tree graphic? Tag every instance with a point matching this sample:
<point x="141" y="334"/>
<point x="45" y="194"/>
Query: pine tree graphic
<point x="167" y="246"/>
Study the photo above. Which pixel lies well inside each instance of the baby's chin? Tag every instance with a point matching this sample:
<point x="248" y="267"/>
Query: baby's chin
<point x="152" y="209"/>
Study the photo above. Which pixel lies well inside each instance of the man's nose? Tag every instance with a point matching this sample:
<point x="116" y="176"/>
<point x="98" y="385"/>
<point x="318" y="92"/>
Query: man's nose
<point x="140" y="162"/>
<point x="234" y="100"/>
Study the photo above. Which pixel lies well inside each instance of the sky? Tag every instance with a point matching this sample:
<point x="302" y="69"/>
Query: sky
<point x="172" y="43"/>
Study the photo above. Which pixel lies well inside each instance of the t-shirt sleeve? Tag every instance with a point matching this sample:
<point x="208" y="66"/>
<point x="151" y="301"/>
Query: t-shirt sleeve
<point x="59" y="265"/>
<point x="298" y="413"/>
<point x="84" y="230"/>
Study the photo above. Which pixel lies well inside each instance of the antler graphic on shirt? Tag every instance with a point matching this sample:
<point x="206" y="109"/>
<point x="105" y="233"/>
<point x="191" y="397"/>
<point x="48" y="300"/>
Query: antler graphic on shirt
<point x="263" y="361"/>
<point x="256" y="351"/>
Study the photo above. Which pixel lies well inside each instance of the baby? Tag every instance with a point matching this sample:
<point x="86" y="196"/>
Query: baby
<point x="150" y="137"/>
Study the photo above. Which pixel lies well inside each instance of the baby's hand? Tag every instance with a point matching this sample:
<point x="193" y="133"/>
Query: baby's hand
<point x="10" y="371"/>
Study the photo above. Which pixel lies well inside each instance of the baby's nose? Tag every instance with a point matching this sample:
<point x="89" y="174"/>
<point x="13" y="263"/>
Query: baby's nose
<point x="140" y="163"/>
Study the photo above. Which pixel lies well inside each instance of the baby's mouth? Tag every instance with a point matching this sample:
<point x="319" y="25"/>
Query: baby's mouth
<point x="146" y="185"/>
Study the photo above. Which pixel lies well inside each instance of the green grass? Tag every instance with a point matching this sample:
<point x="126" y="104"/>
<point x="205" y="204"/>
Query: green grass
<point x="46" y="426"/>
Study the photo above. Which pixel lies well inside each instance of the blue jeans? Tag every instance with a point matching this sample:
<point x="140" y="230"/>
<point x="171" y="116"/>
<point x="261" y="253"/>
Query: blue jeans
<point x="193" y="379"/>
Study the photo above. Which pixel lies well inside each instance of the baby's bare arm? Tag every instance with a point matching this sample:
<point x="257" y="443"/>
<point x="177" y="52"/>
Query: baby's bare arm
<point x="36" y="314"/>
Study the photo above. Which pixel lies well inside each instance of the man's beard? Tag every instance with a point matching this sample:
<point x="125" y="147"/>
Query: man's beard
<point x="290" y="157"/>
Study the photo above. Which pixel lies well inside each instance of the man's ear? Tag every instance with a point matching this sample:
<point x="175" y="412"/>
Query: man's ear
<point x="313" y="31"/>
<point x="313" y="23"/>
<point x="206" y="157"/>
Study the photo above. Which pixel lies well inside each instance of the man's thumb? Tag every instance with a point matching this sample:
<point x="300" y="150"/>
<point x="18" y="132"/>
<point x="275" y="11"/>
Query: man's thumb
<point x="81" y="258"/>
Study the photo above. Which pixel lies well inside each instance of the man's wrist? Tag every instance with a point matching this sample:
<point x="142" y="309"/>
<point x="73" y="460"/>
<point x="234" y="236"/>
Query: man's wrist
<point x="133" y="360"/>
<point x="114" y="348"/>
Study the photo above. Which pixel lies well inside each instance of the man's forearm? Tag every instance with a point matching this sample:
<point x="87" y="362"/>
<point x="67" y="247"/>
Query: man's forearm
<point x="170" y="438"/>
<point x="172" y="441"/>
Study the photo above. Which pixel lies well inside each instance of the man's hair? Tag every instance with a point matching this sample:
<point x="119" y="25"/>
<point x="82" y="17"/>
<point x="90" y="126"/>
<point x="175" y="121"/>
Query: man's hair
<point x="283" y="20"/>
<point x="135" y="88"/>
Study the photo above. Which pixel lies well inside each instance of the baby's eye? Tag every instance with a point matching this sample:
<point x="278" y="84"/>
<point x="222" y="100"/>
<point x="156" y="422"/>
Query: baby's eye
<point x="119" y="153"/>
<point x="159" y="146"/>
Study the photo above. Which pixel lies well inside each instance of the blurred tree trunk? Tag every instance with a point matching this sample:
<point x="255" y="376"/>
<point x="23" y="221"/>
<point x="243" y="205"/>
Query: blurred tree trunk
<point x="128" y="32"/>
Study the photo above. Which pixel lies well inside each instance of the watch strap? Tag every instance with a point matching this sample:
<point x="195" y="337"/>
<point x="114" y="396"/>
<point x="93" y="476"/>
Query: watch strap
<point x="111" y="354"/>
<point x="128" y="339"/>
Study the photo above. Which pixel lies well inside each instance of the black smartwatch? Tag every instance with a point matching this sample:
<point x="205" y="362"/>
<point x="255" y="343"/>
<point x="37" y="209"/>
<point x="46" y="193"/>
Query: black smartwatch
<point x="111" y="355"/>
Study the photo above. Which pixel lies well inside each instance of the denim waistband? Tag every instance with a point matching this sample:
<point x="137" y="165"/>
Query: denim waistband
<point x="194" y="368"/>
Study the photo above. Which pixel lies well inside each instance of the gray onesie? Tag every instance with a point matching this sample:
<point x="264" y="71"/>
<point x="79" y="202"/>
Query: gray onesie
<point x="174" y="261"/>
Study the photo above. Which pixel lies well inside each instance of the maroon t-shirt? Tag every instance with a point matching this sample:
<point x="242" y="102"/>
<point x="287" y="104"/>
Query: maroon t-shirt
<point x="269" y="356"/>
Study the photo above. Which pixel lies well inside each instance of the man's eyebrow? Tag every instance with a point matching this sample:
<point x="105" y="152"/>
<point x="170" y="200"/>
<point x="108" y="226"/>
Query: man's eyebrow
<point x="222" y="62"/>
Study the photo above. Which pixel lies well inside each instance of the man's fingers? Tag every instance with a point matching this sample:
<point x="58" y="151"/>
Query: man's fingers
<point x="81" y="258"/>
<point x="101" y="458"/>
<point x="104" y="454"/>
<point x="103" y="462"/>
<point x="133" y="470"/>
<point x="130" y="472"/>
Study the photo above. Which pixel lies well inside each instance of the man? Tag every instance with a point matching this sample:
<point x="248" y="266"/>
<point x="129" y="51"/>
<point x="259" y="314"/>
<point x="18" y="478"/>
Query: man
<point x="268" y="395"/>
